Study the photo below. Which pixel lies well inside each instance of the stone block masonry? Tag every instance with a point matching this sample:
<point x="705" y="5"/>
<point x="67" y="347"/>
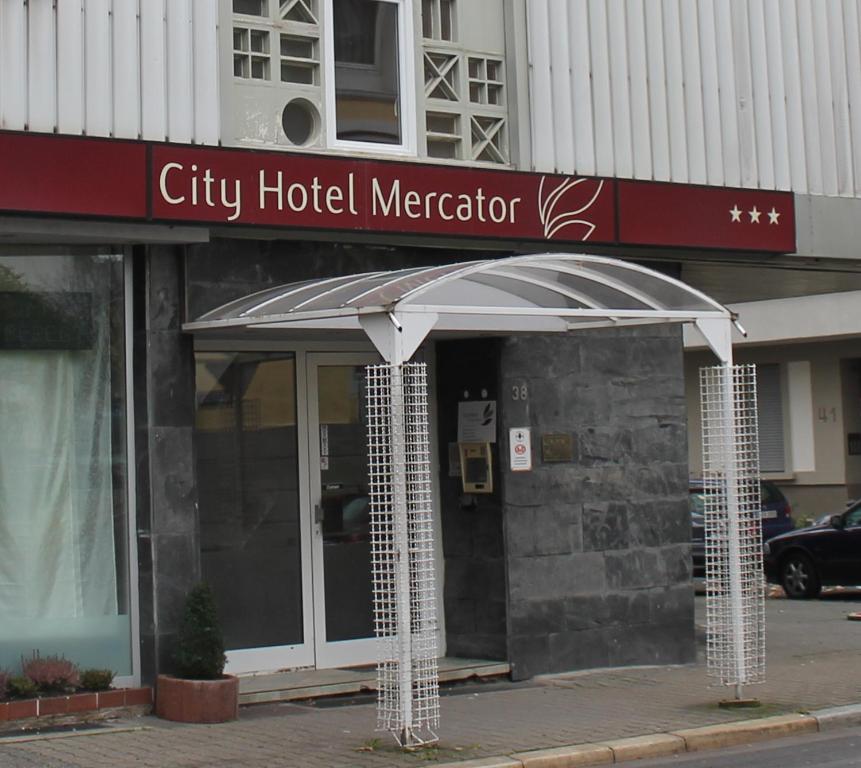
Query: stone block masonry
<point x="598" y="549"/>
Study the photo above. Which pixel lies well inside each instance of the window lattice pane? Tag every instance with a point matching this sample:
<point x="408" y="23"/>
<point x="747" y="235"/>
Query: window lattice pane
<point x="251" y="53"/>
<point x="299" y="63"/>
<point x="304" y="11"/>
<point x="251" y="7"/>
<point x="488" y="139"/>
<point x="441" y="75"/>
<point x="443" y="135"/>
<point x="485" y="81"/>
<point x="438" y="19"/>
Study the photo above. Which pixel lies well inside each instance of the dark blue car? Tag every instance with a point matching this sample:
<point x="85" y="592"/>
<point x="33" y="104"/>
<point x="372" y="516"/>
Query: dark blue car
<point x="826" y="553"/>
<point x="775" y="518"/>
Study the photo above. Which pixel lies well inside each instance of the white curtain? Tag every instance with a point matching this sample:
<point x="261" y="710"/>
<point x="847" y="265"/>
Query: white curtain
<point x="57" y="558"/>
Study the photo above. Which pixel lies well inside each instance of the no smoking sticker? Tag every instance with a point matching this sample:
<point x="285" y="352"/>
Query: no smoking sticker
<point x="520" y="442"/>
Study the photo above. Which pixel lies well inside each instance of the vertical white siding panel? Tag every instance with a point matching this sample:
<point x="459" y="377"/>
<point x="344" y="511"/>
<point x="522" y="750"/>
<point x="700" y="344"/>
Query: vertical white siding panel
<point x="70" y="66"/>
<point x="795" y="127"/>
<point x="13" y="64"/>
<point x="840" y="90"/>
<point x="778" y="100"/>
<point x="675" y="91"/>
<point x="42" y="68"/>
<point x="825" y="98"/>
<point x="126" y="56"/>
<point x="852" y="41"/>
<point x="744" y="93"/>
<point x="581" y="79"/>
<point x="563" y="126"/>
<point x="761" y="95"/>
<point x="543" y="156"/>
<point x="621" y="104"/>
<point x="711" y="92"/>
<point x="728" y="105"/>
<point x="638" y="68"/>
<point x="97" y="67"/>
<point x="693" y="83"/>
<point x="180" y="81"/>
<point x="206" y="112"/>
<point x="809" y="105"/>
<point x="601" y="88"/>
<point x="658" y="121"/>
<point x="153" y="71"/>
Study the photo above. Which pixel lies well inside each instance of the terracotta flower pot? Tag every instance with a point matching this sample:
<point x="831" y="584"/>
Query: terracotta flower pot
<point x="197" y="701"/>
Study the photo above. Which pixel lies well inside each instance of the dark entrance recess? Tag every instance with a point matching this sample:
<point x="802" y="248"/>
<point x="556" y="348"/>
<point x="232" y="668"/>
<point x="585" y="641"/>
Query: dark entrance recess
<point x="472" y="537"/>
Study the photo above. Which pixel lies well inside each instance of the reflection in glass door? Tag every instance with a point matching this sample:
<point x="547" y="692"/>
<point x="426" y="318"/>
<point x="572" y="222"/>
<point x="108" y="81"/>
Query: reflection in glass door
<point x="251" y="527"/>
<point x="343" y="607"/>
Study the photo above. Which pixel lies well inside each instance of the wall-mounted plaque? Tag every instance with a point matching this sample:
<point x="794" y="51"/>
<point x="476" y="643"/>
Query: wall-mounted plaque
<point x="556" y="448"/>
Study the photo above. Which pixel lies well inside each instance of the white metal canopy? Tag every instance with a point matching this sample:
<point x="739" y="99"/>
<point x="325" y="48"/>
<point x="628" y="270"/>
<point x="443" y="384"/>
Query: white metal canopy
<point x="538" y="293"/>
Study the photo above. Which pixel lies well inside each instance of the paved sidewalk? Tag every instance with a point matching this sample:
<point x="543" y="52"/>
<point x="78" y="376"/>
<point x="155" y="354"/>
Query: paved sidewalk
<point x="814" y="662"/>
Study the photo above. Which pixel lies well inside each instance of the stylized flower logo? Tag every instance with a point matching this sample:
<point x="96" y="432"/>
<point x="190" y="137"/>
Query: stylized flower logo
<point x="560" y="206"/>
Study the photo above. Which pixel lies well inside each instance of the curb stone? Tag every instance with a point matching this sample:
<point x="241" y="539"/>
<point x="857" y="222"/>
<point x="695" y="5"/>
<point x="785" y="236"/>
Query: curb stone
<point x="744" y="731"/>
<point x="674" y="742"/>
<point x="838" y="717"/>
<point x="641" y="747"/>
<point x="566" y="757"/>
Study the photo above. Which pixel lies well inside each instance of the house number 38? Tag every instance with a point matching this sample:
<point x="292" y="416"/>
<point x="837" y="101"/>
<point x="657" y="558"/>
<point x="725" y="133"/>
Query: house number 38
<point x="519" y="392"/>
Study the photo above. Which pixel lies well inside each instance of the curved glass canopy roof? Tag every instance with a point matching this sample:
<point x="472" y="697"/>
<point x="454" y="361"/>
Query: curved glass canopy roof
<point x="539" y="293"/>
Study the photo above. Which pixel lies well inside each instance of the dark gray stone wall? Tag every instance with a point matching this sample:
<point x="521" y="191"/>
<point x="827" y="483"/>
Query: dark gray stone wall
<point x="598" y="549"/>
<point x="223" y="270"/>
<point x="163" y="383"/>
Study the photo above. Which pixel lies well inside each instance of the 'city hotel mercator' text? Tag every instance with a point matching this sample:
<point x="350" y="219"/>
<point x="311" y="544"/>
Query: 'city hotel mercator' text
<point x="276" y="193"/>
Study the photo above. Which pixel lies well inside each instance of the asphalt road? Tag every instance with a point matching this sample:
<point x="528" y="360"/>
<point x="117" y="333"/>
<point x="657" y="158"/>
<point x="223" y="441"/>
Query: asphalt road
<point x="840" y="748"/>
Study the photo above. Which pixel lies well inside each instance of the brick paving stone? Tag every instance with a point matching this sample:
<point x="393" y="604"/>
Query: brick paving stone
<point x="814" y="662"/>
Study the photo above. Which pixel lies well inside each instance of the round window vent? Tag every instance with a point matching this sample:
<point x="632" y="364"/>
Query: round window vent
<point x="299" y="121"/>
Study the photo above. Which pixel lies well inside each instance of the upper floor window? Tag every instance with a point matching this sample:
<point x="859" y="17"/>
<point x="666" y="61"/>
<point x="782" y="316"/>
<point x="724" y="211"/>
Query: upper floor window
<point x="369" y="59"/>
<point x="341" y="74"/>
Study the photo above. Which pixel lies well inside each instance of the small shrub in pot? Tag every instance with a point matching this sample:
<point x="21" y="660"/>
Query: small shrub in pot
<point x="199" y="692"/>
<point x="200" y="646"/>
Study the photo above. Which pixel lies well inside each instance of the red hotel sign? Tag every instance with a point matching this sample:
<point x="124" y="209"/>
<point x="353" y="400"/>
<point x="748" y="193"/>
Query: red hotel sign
<point x="325" y="193"/>
<point x="168" y="182"/>
<point x="43" y="173"/>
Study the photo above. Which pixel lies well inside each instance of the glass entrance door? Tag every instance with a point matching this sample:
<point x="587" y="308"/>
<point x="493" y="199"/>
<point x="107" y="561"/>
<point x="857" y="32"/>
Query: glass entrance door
<point x="282" y="473"/>
<point x="254" y="535"/>
<point x="341" y="541"/>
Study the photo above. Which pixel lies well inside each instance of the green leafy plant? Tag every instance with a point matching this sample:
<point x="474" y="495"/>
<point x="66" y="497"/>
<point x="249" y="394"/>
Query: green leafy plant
<point x="200" y="646"/>
<point x="51" y="674"/>
<point x="4" y="684"/>
<point x="21" y="687"/>
<point x="96" y="679"/>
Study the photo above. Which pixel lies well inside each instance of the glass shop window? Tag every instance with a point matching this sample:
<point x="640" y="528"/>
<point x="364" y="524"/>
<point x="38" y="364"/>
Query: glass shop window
<point x="64" y="537"/>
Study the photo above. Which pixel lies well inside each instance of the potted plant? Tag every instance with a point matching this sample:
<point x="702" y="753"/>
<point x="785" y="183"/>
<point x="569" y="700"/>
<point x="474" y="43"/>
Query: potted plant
<point x="199" y="692"/>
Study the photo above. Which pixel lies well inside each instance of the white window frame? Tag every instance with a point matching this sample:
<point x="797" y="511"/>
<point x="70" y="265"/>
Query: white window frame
<point x="406" y="84"/>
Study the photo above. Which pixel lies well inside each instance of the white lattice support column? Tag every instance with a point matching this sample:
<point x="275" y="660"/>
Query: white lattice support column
<point x="735" y="597"/>
<point x="402" y="552"/>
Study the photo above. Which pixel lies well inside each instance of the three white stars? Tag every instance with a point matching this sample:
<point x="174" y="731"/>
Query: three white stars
<point x="735" y="215"/>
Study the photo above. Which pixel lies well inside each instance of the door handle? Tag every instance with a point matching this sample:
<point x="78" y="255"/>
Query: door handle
<point x="319" y="515"/>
